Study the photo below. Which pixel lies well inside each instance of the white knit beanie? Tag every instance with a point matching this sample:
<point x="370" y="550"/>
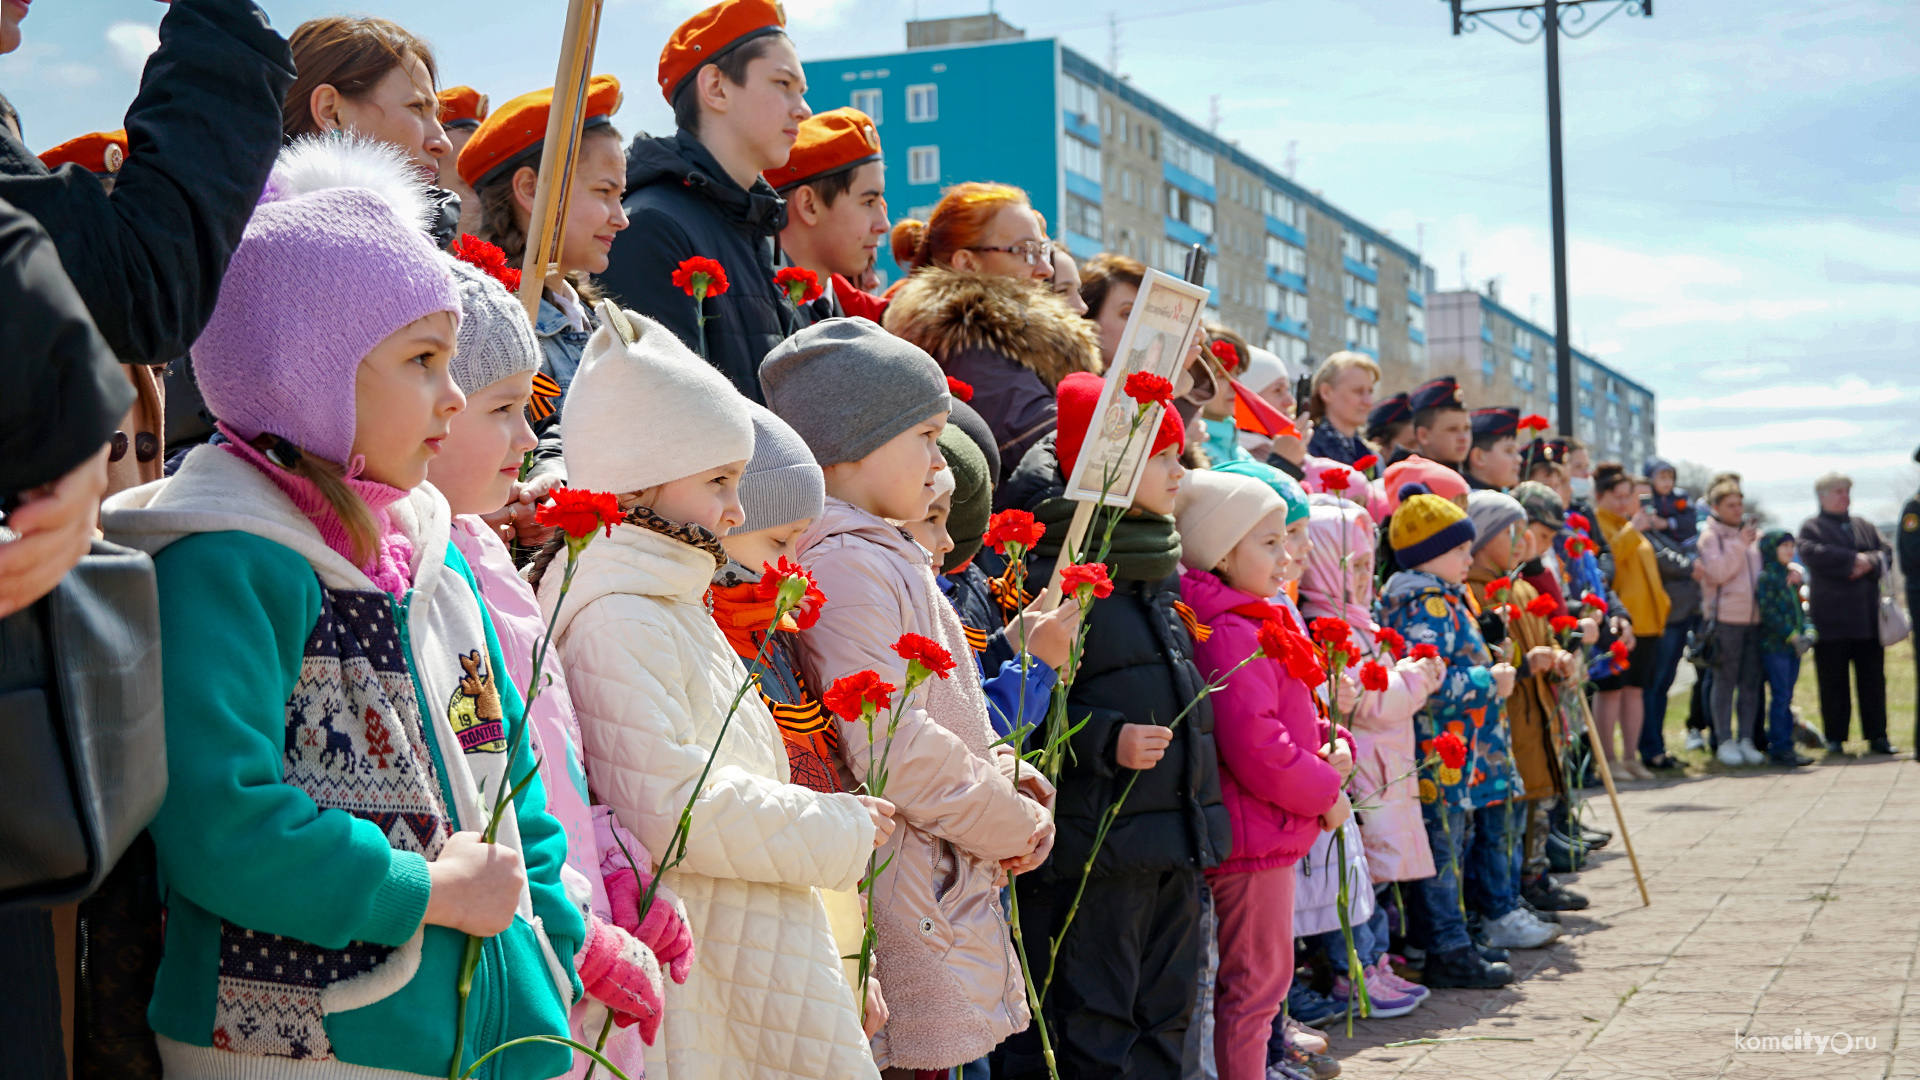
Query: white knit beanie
<point x="1214" y="510"/>
<point x="646" y="412"/>
<point x="495" y="339"/>
<point x="1263" y="370"/>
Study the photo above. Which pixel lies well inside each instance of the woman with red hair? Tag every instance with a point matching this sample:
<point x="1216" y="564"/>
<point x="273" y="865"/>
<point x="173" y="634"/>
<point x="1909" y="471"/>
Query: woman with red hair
<point x="978" y="300"/>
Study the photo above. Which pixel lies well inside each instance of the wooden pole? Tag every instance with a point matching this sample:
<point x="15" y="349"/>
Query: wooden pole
<point x="547" y="224"/>
<point x="1069" y="549"/>
<point x="1606" y="777"/>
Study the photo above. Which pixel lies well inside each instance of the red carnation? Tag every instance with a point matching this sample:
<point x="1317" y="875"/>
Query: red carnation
<point x="1147" y="388"/>
<point x="1273" y="640"/>
<point x="1452" y="751"/>
<point x="790" y="586"/>
<point x="578" y="512"/>
<point x="1366" y="463"/>
<point x="852" y="697"/>
<point x="1563" y="623"/>
<point x="1425" y="651"/>
<point x="1373" y="676"/>
<point x="1083" y="578"/>
<point x="1223" y="351"/>
<point x="926" y="652"/>
<point x="1333" y="633"/>
<point x="1335" y="480"/>
<point x="1619" y="651"/>
<point x="1533" y="422"/>
<point x="801" y="285"/>
<point x="1009" y="529"/>
<point x="1542" y="606"/>
<point x="700" y="277"/>
<point x="1513" y="611"/>
<point x="1580" y="522"/>
<point x="1390" y="640"/>
<point x="1499" y="585"/>
<point x="1593" y="600"/>
<point x="489" y="258"/>
<point x="961" y="390"/>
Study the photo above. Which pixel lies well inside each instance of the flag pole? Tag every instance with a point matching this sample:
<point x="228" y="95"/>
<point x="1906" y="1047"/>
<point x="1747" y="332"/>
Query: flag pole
<point x="547" y="225"/>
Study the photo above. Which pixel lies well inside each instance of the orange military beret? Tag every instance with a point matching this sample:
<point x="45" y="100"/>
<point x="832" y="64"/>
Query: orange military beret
<point x="101" y="153"/>
<point x="711" y="34"/>
<point x="513" y="134"/>
<point x="830" y="142"/>
<point x="462" y="107"/>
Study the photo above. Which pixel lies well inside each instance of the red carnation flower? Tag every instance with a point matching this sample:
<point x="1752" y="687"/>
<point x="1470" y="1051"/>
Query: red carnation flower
<point x="1542" y="606"/>
<point x="1223" y="351"/>
<point x="1679" y="504"/>
<point x="1082" y="578"/>
<point x="1330" y="632"/>
<point x="1499" y="585"/>
<point x="1335" y="480"/>
<point x="489" y="258"/>
<point x="1390" y="640"/>
<point x="1273" y="640"/>
<point x="1593" y="600"/>
<point x="801" y="285"/>
<point x="700" y="277"/>
<point x="793" y="588"/>
<point x="926" y="652"/>
<point x="1513" y="612"/>
<point x="578" y="512"/>
<point x="1009" y="529"/>
<point x="961" y="390"/>
<point x="1533" y="422"/>
<point x="852" y="697"/>
<point x="1563" y="623"/>
<point x="1373" y="676"/>
<point x="1366" y="463"/>
<point x="1580" y="522"/>
<point x="1452" y="751"/>
<point x="1424" y="651"/>
<point x="1620" y="652"/>
<point x="1147" y="388"/>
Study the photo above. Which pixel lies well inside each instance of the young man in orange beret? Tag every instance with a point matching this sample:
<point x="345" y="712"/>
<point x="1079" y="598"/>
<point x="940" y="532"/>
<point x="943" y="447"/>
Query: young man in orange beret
<point x="738" y="96"/>
<point x="835" y="184"/>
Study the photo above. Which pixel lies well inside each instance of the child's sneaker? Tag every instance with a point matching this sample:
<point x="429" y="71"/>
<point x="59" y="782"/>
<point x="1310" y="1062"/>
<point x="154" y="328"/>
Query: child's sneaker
<point x="1312" y="1040"/>
<point x="1317" y="1066"/>
<point x="1382" y="973"/>
<point x="1385" y="1003"/>
<point x="1519" y="930"/>
<point x="1696" y="739"/>
<point x="1309" y="1006"/>
<point x="1752" y="753"/>
<point x="1730" y="754"/>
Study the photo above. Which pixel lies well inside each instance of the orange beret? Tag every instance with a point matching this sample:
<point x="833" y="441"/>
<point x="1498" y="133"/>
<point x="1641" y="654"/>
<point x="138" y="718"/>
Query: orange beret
<point x="516" y="130"/>
<point x="462" y="106"/>
<point x="709" y="35"/>
<point x="101" y="153"/>
<point x="830" y="142"/>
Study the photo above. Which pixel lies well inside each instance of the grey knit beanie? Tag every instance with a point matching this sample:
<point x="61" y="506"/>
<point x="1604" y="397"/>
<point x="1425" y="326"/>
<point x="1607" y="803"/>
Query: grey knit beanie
<point x="495" y="338"/>
<point x="848" y="387"/>
<point x="1492" y="513"/>
<point x="781" y="484"/>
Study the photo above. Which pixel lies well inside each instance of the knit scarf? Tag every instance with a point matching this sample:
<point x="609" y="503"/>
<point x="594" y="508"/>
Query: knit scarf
<point x="1297" y="653"/>
<point x="1146" y="547"/>
<point x="742" y="616"/>
<point x="391" y="569"/>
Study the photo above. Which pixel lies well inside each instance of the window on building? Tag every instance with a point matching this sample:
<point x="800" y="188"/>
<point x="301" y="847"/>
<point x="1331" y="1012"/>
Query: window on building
<point x="1416" y="318"/>
<point x="1284" y="207"/>
<point x="1080" y="158"/>
<point x="868" y="101"/>
<point x="1361" y="293"/>
<point x="1286" y="303"/>
<point x="923" y="103"/>
<point x="1351" y="246"/>
<point x="1486" y="362"/>
<point x="1290" y="349"/>
<point x="1153" y="145"/>
<point x="1285" y="257"/>
<point x="1083" y="217"/>
<point x="923" y="165"/>
<point x="1362" y="335"/>
<point x="1120" y="118"/>
<point x="1184" y="207"/>
<point x="1189" y="158"/>
<point x="1079" y="98"/>
<point x="1417" y="353"/>
<point x="1521" y="370"/>
<point x="1414" y="279"/>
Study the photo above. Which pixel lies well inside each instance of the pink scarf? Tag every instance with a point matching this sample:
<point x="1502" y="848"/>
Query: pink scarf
<point x="392" y="567"/>
<point x="1324" y="586"/>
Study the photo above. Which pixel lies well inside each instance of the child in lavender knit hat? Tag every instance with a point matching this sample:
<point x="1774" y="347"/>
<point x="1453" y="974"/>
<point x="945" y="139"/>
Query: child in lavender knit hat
<point x="337" y="697"/>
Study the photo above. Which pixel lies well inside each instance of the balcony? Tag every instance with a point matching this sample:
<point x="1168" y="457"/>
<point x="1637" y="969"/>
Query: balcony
<point x="1416" y="335"/>
<point x="1186" y="235"/>
<point x="1522" y="349"/>
<point x="1290" y="327"/>
<point x="1416" y="298"/>
<point x="1286" y="232"/>
<point x="1082" y="246"/>
<point x="1361" y="270"/>
<point x="1085" y="187"/>
<point x="1081" y="127"/>
<point x="1364" y="314"/>
<point x="1188" y="182"/>
<point x="1287" y="279"/>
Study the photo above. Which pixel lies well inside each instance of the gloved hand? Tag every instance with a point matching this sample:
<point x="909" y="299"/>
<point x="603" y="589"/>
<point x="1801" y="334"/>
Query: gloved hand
<point x="620" y="972"/>
<point x="664" y="930"/>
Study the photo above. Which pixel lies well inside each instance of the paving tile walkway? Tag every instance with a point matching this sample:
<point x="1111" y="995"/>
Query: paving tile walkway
<point x="1784" y="904"/>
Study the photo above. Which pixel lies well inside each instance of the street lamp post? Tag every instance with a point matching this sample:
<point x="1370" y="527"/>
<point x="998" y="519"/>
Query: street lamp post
<point x="1545" y="20"/>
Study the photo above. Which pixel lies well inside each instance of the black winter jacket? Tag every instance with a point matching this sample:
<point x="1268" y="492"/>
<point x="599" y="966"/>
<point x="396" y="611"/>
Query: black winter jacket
<point x="682" y="203"/>
<point x="1843" y="608"/>
<point x="1137" y="667"/>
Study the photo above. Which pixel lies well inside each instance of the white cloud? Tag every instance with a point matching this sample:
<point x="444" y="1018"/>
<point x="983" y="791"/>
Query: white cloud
<point x="1680" y="310"/>
<point x="1851" y="392"/>
<point x="73" y="74"/>
<point x="132" y="43"/>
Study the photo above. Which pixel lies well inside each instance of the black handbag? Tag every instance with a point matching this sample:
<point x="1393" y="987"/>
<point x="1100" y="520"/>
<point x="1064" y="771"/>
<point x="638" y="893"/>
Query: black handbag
<point x="82" y="719"/>
<point x="1703" y="643"/>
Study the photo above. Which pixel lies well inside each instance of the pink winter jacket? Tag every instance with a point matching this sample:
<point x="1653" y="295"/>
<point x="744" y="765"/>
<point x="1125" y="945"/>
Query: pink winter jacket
<point x="1732" y="568"/>
<point x="945" y="958"/>
<point x="1267" y="733"/>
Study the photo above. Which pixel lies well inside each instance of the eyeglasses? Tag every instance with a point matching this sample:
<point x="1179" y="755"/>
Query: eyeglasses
<point x="1034" y="252"/>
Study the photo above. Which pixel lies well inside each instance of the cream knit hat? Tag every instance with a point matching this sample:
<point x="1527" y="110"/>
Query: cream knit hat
<point x="643" y="409"/>
<point x="1214" y="510"/>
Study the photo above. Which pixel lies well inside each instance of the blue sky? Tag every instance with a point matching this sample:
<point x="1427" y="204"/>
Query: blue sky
<point x="1743" y="179"/>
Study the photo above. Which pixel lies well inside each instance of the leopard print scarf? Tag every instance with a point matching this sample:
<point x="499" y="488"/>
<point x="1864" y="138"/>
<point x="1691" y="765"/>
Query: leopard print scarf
<point x="694" y="536"/>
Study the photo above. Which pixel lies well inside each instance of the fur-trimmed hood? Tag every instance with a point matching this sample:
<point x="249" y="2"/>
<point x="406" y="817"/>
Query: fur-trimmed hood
<point x="947" y="312"/>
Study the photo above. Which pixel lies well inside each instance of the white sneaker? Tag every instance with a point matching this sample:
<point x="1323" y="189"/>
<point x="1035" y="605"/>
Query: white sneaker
<point x="1730" y="754"/>
<point x="1696" y="739"/>
<point x="1753" y="756"/>
<point x="1518" y="929"/>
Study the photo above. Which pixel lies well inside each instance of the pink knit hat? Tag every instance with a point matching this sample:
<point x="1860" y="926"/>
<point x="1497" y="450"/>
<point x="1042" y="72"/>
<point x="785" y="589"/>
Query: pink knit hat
<point x="334" y="260"/>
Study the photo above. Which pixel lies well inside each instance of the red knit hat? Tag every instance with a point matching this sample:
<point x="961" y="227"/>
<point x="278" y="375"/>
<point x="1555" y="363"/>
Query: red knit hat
<point x="1079" y="393"/>
<point x="712" y="34"/>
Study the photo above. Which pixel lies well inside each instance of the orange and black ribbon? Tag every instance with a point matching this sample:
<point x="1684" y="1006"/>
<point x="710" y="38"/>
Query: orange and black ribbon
<point x="546" y="397"/>
<point x="1011" y="598"/>
<point x="976" y="639"/>
<point x="1199" y="630"/>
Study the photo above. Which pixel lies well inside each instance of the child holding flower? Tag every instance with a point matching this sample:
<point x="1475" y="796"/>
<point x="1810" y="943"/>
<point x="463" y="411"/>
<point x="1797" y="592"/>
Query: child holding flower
<point x="655" y="684"/>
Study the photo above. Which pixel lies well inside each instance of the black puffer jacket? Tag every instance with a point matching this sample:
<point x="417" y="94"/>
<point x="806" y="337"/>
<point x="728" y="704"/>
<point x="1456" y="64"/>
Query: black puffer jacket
<point x="1136" y="668"/>
<point x="682" y="203"/>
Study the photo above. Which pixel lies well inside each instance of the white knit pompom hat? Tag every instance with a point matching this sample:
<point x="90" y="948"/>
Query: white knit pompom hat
<point x="642" y="412"/>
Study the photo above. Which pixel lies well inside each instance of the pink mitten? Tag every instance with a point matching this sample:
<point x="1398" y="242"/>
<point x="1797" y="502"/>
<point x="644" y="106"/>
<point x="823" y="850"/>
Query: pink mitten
<point x="664" y="930"/>
<point x="620" y="972"/>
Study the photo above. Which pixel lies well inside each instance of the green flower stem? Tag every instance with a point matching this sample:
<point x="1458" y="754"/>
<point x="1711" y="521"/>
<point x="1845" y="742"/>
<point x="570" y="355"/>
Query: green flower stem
<point x="876" y="785"/>
<point x="600" y="1044"/>
<point x="1018" y="559"/>
<point x="598" y="1058"/>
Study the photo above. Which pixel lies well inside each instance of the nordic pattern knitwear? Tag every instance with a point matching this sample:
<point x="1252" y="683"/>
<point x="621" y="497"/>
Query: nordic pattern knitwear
<point x="495" y="339"/>
<point x="848" y="387"/>
<point x="392" y="565"/>
<point x="782" y="484"/>
<point x="321" y="276"/>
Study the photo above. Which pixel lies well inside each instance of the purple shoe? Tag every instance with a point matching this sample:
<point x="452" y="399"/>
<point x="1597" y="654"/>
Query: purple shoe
<point x="1386" y="1002"/>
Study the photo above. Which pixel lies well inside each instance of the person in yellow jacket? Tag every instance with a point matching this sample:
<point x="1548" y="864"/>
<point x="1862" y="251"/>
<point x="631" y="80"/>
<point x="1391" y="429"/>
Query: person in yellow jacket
<point x="1620" y="700"/>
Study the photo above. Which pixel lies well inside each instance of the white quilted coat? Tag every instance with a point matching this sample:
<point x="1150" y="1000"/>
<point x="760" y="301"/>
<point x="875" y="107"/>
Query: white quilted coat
<point x="651" y="678"/>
